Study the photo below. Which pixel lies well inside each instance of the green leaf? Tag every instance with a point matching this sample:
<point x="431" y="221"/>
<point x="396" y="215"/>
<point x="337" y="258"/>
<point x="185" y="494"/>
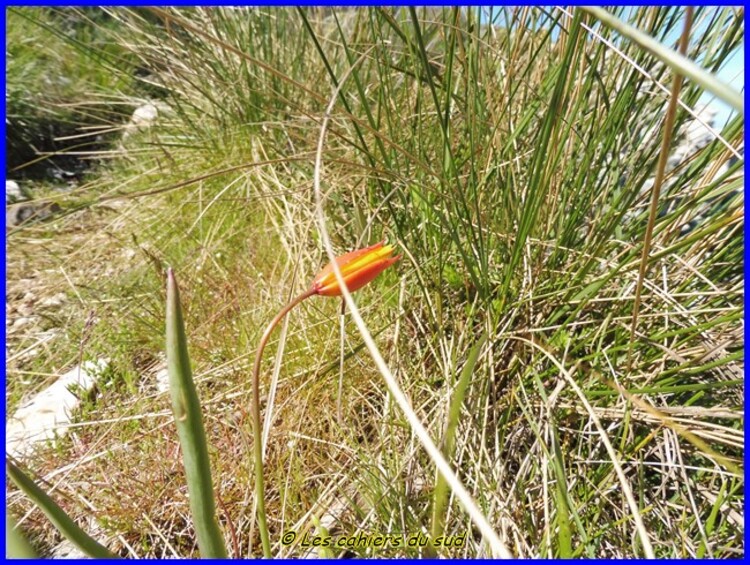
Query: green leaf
<point x="323" y="552"/>
<point x="17" y="547"/>
<point x="187" y="415"/>
<point x="64" y="523"/>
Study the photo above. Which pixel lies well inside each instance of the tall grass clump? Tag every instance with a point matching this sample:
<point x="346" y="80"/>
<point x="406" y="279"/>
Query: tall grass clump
<point x="510" y="154"/>
<point x="63" y="100"/>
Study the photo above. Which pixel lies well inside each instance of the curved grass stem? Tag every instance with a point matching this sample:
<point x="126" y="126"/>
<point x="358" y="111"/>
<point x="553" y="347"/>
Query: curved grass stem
<point x="255" y="418"/>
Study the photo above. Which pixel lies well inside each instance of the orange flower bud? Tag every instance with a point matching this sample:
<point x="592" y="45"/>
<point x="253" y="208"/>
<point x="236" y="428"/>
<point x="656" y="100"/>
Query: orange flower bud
<point x="357" y="268"/>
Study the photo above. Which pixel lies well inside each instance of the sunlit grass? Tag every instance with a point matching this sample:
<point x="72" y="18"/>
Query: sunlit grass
<point x="513" y="169"/>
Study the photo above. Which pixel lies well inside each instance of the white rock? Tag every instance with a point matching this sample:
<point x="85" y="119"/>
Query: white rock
<point x="53" y="301"/>
<point x="162" y="380"/>
<point x="45" y="416"/>
<point x="13" y="192"/>
<point x="22" y="321"/>
<point x="678" y="156"/>
<point x="17" y="214"/>
<point x="144" y="115"/>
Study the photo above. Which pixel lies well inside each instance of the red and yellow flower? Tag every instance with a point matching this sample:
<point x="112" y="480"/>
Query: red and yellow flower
<point x="357" y="269"/>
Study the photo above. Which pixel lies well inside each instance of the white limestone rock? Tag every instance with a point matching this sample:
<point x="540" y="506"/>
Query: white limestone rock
<point x="45" y="416"/>
<point x="14" y="192"/>
<point x="144" y="116"/>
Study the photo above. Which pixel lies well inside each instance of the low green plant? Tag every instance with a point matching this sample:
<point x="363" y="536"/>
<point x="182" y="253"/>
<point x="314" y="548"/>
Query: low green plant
<point x="510" y="153"/>
<point x="189" y="421"/>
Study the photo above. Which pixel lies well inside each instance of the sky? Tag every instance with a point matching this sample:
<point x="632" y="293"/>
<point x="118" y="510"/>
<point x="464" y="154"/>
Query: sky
<point x="733" y="71"/>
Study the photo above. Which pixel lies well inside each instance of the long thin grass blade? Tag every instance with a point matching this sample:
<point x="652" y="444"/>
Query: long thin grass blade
<point x="677" y="62"/>
<point x="64" y="523"/>
<point x="187" y="416"/>
<point x="660" y="170"/>
<point x="626" y="488"/>
<point x="440" y="499"/>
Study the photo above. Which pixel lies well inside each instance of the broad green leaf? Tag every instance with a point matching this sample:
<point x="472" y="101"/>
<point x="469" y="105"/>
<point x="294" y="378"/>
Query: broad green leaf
<point x="187" y="415"/>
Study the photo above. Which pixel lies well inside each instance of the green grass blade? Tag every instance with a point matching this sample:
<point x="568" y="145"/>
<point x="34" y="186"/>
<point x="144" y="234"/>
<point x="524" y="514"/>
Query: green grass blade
<point x="564" y="531"/>
<point x="64" y="523"/>
<point x="187" y="415"/>
<point x="440" y="499"/>
<point x="711" y="522"/>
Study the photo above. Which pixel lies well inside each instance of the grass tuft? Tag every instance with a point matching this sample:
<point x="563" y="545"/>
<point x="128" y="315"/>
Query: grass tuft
<point x="510" y="154"/>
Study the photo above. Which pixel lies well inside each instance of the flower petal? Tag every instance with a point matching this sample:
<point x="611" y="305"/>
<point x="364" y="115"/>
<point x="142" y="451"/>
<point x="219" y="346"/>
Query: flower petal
<point x="357" y="269"/>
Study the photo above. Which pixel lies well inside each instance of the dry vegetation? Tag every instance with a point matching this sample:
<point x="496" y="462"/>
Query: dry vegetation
<point x="512" y="170"/>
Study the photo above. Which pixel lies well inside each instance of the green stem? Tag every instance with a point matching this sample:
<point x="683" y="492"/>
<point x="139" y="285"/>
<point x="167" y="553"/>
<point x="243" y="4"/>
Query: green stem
<point x="255" y="416"/>
<point x="339" y="417"/>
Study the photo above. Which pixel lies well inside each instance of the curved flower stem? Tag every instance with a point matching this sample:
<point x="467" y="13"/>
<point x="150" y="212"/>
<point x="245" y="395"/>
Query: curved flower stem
<point x="342" y="326"/>
<point x="255" y="417"/>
